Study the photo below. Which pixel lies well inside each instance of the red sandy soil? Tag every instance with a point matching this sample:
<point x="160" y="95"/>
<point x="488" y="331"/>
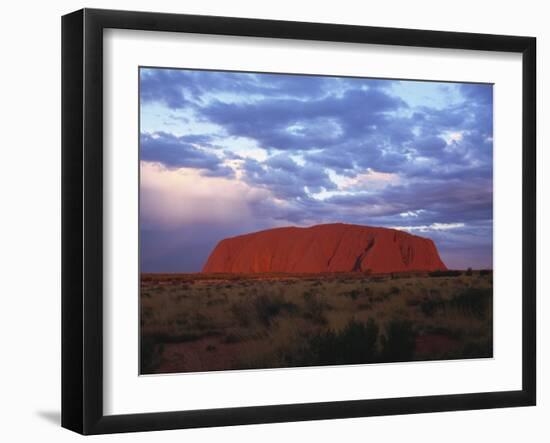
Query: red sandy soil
<point x="325" y="248"/>
<point x="194" y="356"/>
<point x="209" y="354"/>
<point x="434" y="344"/>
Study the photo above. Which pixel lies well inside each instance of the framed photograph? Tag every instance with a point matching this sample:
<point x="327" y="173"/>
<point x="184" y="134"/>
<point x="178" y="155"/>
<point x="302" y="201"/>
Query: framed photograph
<point x="269" y="221"/>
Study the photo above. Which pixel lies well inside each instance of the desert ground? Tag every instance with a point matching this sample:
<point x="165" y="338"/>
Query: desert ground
<point x="205" y="322"/>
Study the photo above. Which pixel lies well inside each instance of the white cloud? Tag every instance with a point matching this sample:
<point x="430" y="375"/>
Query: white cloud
<point x="412" y="213"/>
<point x="369" y="180"/>
<point x="453" y="136"/>
<point x="242" y="146"/>
<point x="156" y="117"/>
<point x="328" y="127"/>
<point x="298" y="158"/>
<point x="432" y="227"/>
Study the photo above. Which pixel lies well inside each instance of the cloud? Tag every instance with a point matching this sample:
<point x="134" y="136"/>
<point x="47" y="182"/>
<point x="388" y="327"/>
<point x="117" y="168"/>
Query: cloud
<point x="370" y="180"/>
<point x="415" y="213"/>
<point x="180" y="88"/>
<point x="430" y="145"/>
<point x="271" y="150"/>
<point x="432" y="227"/>
<point x="183" y="214"/>
<point x="477" y="94"/>
<point x="340" y="161"/>
<point x="285" y="178"/>
<point x="282" y="162"/>
<point x="296" y="124"/>
<point x="182" y="152"/>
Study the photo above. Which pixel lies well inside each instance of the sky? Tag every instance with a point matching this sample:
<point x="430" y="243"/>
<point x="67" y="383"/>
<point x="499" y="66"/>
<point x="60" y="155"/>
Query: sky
<point x="227" y="153"/>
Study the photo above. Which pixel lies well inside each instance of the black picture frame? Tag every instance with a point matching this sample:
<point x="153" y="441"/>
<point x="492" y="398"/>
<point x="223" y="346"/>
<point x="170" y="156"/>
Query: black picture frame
<point x="82" y="218"/>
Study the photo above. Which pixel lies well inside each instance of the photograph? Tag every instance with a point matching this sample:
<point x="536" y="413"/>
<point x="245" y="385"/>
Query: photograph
<point x="293" y="220"/>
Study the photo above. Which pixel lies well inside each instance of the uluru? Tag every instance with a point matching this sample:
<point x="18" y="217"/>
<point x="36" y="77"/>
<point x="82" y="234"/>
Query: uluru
<point x="336" y="247"/>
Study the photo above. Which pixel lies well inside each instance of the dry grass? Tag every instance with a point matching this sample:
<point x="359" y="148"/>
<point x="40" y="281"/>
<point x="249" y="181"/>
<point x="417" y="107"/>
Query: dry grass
<point x="197" y="322"/>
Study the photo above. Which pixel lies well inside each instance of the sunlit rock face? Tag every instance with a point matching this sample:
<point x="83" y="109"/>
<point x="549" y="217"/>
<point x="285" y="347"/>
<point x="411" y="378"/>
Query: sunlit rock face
<point x="325" y="248"/>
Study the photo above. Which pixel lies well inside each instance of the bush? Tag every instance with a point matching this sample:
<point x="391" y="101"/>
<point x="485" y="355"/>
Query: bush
<point x="232" y="338"/>
<point x="314" y="308"/>
<point x="354" y="344"/>
<point x="473" y="301"/>
<point x="398" y="344"/>
<point x="263" y="307"/>
<point x="430" y="306"/>
<point x="445" y="274"/>
<point x="469" y="272"/>
<point x="268" y="307"/>
<point x="150" y="354"/>
<point x="241" y="312"/>
<point x="481" y="349"/>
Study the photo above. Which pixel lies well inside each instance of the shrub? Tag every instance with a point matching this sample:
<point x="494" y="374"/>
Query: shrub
<point x="314" y="308"/>
<point x="232" y="338"/>
<point x="429" y="306"/>
<point x="216" y="301"/>
<point x="469" y="272"/>
<point x="266" y="308"/>
<point x="473" y="301"/>
<point x="445" y="274"/>
<point x="394" y="290"/>
<point x="150" y="354"/>
<point x="413" y="301"/>
<point x="399" y="342"/>
<point x="452" y="333"/>
<point x="269" y="306"/>
<point x="241" y="312"/>
<point x="354" y="344"/>
<point x="200" y="322"/>
<point x="481" y="349"/>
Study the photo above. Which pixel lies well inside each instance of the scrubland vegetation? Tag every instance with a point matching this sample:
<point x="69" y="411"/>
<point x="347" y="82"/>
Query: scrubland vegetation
<point x="202" y="322"/>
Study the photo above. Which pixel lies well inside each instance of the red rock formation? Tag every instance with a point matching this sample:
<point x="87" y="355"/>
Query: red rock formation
<point x="325" y="248"/>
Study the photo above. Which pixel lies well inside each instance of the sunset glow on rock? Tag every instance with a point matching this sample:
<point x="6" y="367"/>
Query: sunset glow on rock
<point x="325" y="248"/>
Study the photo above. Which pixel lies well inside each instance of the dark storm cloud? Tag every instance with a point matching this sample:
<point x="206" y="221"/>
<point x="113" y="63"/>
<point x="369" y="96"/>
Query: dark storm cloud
<point x="282" y="161"/>
<point x="185" y="248"/>
<point x="339" y="161"/>
<point x="478" y="94"/>
<point x="429" y="145"/>
<point x="285" y="178"/>
<point x="180" y="88"/>
<point x="181" y="152"/>
<point x="296" y="124"/>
